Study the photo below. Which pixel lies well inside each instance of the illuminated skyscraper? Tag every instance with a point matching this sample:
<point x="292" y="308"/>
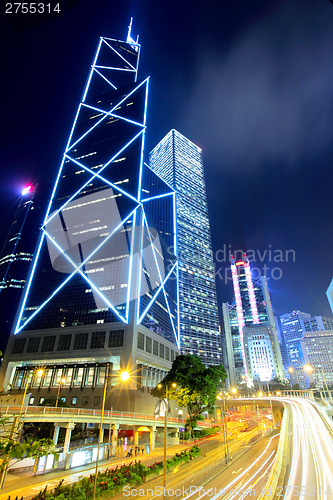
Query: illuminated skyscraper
<point x="103" y="287"/>
<point x="179" y="162"/>
<point x="292" y="325"/>
<point x="17" y="254"/>
<point x="252" y="306"/>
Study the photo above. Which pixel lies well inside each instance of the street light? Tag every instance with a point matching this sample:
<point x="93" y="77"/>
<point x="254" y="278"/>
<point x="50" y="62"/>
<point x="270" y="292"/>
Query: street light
<point x="124" y="376"/>
<point x="234" y="390"/>
<point x="309" y="369"/>
<point x="291" y="371"/>
<point x="173" y="385"/>
<point x="324" y="379"/>
<point x="36" y="371"/>
<point x="62" y="381"/>
<point x="224" y="426"/>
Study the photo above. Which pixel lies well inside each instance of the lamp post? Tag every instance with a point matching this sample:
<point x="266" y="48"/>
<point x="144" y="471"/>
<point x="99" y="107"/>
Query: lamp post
<point x="110" y="429"/>
<point x="325" y="382"/>
<point x="271" y="404"/>
<point x="308" y="369"/>
<point x="173" y="385"/>
<point x="224" y="427"/>
<point x="62" y="381"/>
<point x="124" y="376"/>
<point x="39" y="372"/>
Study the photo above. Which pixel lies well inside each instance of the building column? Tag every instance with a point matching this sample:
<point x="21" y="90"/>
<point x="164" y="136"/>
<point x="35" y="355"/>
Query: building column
<point x="136" y="438"/>
<point x="102" y="435"/>
<point x="152" y="435"/>
<point x="114" y="438"/>
<point x="69" y="427"/>
<point x="56" y="433"/>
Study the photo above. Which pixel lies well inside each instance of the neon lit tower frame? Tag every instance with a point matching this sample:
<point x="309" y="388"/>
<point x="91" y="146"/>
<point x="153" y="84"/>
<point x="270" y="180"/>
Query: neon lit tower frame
<point x="108" y="247"/>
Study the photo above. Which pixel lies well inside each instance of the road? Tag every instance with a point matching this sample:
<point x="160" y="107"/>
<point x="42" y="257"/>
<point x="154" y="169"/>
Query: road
<point x="186" y="481"/>
<point x="246" y="478"/>
<point x="32" y="485"/>
<point x="311" y="453"/>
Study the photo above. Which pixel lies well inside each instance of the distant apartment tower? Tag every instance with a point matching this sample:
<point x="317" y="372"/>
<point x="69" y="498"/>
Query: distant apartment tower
<point x="251" y="306"/>
<point x="292" y="325"/>
<point x="102" y="294"/>
<point x="178" y="161"/>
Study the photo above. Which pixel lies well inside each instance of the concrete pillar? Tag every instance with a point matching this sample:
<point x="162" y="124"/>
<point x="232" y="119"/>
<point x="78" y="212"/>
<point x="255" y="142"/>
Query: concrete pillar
<point x="56" y="433"/>
<point x="152" y="434"/>
<point x="136" y="438"/>
<point x="102" y="435"/>
<point x="114" y="438"/>
<point x="69" y="427"/>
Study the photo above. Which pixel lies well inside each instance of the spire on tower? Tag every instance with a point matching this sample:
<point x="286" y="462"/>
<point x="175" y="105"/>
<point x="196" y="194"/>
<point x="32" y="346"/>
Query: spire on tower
<point x="129" y="39"/>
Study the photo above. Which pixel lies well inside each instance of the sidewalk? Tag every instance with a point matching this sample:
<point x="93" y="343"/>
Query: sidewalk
<point x="26" y="485"/>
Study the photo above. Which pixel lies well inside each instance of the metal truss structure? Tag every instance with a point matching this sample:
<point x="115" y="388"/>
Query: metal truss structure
<point x="108" y="245"/>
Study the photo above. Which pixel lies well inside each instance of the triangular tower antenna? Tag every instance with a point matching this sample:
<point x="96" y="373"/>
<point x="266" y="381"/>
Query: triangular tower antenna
<point x="129" y="39"/>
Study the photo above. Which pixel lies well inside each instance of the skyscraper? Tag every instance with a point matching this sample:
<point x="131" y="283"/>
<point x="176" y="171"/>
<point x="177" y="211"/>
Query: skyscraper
<point x="251" y="306"/>
<point x="316" y="323"/>
<point x="179" y="162"/>
<point x="293" y="330"/>
<point x="17" y="254"/>
<point x="103" y="287"/>
<point x="283" y="348"/>
<point x="317" y="349"/>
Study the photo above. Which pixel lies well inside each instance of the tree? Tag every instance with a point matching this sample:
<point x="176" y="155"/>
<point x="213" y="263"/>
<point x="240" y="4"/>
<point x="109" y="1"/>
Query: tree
<point x="15" y="446"/>
<point x="279" y="384"/>
<point x="197" y="386"/>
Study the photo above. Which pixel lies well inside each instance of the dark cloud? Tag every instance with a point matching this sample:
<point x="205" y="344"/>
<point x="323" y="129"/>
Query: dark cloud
<point x="269" y="98"/>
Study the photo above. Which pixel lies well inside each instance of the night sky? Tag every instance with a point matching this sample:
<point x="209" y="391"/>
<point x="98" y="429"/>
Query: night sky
<point x="251" y="82"/>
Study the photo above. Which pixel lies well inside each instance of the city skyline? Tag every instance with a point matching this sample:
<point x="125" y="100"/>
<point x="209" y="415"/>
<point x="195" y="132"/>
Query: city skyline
<point x="249" y="209"/>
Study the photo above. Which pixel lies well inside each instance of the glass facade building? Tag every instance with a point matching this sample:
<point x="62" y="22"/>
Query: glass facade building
<point x="17" y="254"/>
<point x="179" y="162"/>
<point x="104" y="283"/>
<point x="293" y="329"/>
<point x="317" y="349"/>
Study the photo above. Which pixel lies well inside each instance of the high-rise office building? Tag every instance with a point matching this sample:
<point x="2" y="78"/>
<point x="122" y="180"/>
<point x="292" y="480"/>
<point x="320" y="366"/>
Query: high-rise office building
<point x="317" y="349"/>
<point x="251" y="306"/>
<point x="103" y="286"/>
<point x="283" y="348"/>
<point x="17" y="254"/>
<point x="179" y="162"/>
<point x="316" y="323"/>
<point x="262" y="354"/>
<point x="292" y="325"/>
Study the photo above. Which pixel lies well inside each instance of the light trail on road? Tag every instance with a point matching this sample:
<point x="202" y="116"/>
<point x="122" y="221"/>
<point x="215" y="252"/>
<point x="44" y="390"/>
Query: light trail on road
<point x="236" y="485"/>
<point x="311" y="469"/>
